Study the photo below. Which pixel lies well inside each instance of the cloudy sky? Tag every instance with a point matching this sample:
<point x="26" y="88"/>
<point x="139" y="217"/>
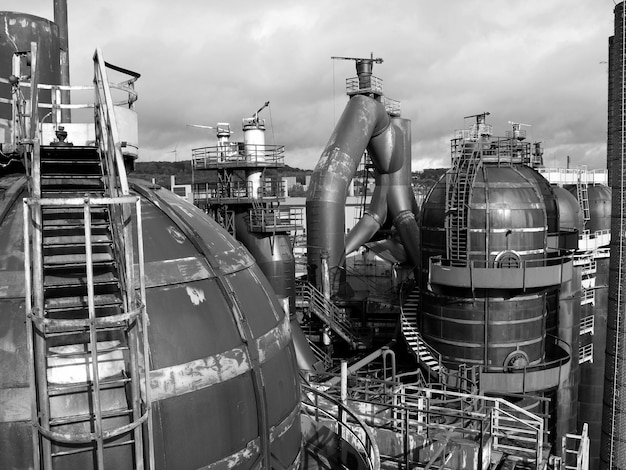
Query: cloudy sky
<point x="537" y="62"/>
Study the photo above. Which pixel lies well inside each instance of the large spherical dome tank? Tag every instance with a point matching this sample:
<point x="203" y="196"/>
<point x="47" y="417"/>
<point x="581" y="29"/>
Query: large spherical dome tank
<point x="511" y="210"/>
<point x="570" y="213"/>
<point x="224" y="380"/>
<point x="599" y="207"/>
<point x="18" y="30"/>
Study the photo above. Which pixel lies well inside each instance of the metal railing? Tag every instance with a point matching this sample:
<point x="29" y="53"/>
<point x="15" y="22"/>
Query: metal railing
<point x="332" y="413"/>
<point x="585" y="353"/>
<point x="576" y="450"/>
<point x="328" y="312"/>
<point x="375" y="85"/>
<point x="237" y="154"/>
<point x="500" y="150"/>
<point x="574" y="175"/>
<point x="588" y="297"/>
<point x="490" y="274"/>
<point x="243" y="191"/>
<point x="410" y="410"/>
<point x="587" y="324"/>
<point x="27" y="109"/>
<point x="270" y="219"/>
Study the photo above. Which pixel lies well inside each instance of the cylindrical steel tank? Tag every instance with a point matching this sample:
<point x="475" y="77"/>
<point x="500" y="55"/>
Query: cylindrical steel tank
<point x="254" y="148"/>
<point x="456" y="328"/>
<point x="225" y="389"/>
<point x="599" y="208"/>
<point x="509" y="213"/>
<point x="274" y="255"/>
<point x="18" y="30"/>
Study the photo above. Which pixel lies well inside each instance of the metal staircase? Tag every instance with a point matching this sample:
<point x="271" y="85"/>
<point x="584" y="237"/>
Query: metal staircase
<point x="425" y="354"/>
<point x="329" y="313"/>
<point x="86" y="318"/>
<point x="458" y="190"/>
<point x="464" y="379"/>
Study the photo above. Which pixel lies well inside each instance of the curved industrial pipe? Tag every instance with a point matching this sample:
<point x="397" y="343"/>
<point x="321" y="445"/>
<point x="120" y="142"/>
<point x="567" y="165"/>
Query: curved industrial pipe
<point x="363" y="125"/>
<point x="393" y="195"/>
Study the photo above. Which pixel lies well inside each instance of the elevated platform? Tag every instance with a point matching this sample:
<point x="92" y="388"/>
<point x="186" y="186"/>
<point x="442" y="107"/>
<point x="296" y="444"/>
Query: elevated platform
<point x="237" y="155"/>
<point x="489" y="275"/>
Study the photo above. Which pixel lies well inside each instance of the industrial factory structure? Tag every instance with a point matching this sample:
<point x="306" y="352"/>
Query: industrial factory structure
<point x="140" y="331"/>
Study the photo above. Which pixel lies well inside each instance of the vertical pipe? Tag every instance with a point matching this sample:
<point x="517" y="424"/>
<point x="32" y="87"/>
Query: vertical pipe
<point x="344" y="382"/>
<point x="60" y="18"/>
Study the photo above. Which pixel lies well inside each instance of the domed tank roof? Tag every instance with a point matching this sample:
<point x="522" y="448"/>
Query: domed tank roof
<point x="599" y="208"/>
<point x="224" y="380"/>
<point x="510" y="207"/>
<point x="570" y="213"/>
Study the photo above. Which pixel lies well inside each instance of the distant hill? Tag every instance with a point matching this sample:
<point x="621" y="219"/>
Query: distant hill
<point x="162" y="171"/>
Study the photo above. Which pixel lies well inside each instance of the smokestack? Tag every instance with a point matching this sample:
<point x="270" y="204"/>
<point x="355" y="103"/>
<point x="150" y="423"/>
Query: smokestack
<point x="613" y="442"/>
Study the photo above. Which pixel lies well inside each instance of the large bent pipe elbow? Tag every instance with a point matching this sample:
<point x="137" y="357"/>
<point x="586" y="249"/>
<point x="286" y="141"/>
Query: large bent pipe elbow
<point x="362" y="119"/>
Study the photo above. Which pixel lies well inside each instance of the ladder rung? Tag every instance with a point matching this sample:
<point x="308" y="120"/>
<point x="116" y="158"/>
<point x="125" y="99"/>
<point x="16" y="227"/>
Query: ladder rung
<point x="86" y="354"/>
<point x="105" y="384"/>
<point x="81" y="418"/>
<point x="90" y="448"/>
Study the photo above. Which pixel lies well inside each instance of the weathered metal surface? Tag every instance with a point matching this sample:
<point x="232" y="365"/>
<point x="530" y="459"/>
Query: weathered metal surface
<point x="275" y="340"/>
<point x="172" y="271"/>
<point x="196" y="375"/>
<point x="203" y="291"/>
<point x="18" y="31"/>
<point x="364" y="124"/>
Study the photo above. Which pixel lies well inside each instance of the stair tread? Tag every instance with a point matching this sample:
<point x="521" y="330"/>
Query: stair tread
<point x="52" y="281"/>
<point x="76" y="258"/>
<point x="71" y="241"/>
<point x="100" y="300"/>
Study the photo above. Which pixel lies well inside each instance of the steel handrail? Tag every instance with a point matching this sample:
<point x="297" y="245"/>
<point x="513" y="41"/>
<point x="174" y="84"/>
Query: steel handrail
<point x="344" y="419"/>
<point x="327" y="312"/>
<point x="492" y="264"/>
<point x="409" y="328"/>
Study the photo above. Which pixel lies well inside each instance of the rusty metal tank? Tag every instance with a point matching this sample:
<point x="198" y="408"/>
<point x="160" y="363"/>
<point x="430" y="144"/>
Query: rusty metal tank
<point x="18" y="30"/>
<point x="224" y="385"/>
<point x="511" y="212"/>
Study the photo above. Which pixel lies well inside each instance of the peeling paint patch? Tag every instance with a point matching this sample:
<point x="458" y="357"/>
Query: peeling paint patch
<point x="274" y="340"/>
<point x="196" y="295"/>
<point x="172" y="271"/>
<point x="198" y="374"/>
<point x="248" y="453"/>
<point x="278" y="431"/>
<point x="176" y="234"/>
